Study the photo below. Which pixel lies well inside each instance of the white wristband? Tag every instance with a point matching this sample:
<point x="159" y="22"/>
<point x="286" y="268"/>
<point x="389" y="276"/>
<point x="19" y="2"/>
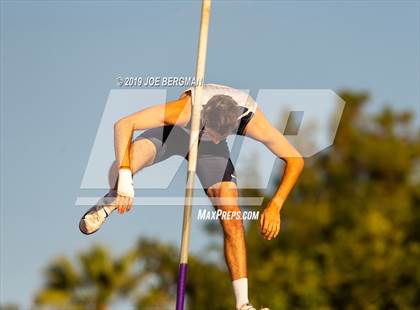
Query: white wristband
<point x="125" y="183"/>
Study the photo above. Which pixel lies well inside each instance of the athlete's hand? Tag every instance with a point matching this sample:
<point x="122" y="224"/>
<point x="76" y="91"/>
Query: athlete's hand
<point x="125" y="192"/>
<point x="270" y="221"/>
<point x="123" y="203"/>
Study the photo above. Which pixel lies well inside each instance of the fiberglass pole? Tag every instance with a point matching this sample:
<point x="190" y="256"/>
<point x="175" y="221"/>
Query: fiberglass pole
<point x="192" y="157"/>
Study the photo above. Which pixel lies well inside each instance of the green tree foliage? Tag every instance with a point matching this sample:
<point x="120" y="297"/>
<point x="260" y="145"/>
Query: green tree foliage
<point x="350" y="231"/>
<point x="350" y="237"/>
<point x="96" y="279"/>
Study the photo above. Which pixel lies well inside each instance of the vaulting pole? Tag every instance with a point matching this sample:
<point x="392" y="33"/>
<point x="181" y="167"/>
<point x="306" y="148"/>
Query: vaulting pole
<point x="192" y="157"/>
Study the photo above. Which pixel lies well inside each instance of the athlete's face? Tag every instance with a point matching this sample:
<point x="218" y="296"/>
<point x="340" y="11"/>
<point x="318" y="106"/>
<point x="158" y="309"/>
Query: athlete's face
<point x="215" y="136"/>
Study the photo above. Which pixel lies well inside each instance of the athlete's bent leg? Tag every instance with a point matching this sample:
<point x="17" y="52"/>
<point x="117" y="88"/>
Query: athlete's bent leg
<point x="142" y="154"/>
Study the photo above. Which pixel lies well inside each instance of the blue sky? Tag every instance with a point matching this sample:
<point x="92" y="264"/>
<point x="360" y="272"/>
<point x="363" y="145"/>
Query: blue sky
<point x="59" y="61"/>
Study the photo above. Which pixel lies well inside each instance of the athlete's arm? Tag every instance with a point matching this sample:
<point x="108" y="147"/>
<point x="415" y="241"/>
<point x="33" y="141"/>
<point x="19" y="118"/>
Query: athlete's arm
<point x="260" y="129"/>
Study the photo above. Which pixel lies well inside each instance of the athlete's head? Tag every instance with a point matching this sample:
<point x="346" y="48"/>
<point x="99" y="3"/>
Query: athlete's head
<point x="220" y="116"/>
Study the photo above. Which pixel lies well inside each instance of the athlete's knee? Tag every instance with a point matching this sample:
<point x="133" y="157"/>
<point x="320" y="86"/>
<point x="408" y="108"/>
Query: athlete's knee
<point x="228" y="190"/>
<point x="144" y="148"/>
<point x="225" y="199"/>
<point x="224" y="194"/>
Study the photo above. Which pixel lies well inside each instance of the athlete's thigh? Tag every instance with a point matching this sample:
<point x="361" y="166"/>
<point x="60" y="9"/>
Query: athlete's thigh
<point x="165" y="140"/>
<point x="214" y="171"/>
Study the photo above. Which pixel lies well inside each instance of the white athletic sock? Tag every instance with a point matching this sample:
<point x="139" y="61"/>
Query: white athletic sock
<point x="240" y="289"/>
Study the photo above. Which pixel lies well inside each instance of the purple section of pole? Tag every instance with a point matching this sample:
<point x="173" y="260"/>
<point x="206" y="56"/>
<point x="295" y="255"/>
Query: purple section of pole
<point x="182" y="283"/>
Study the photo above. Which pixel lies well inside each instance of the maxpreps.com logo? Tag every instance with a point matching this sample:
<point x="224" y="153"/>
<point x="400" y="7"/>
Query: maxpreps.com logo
<point x="219" y="214"/>
<point x="308" y="118"/>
